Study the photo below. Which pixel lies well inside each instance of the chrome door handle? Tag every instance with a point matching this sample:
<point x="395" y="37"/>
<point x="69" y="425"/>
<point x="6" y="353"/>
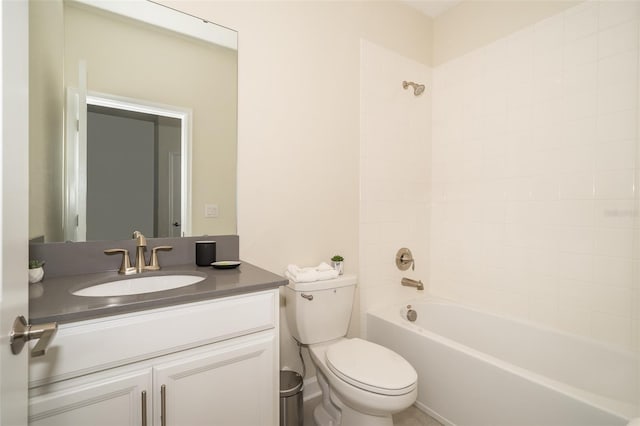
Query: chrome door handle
<point x="23" y="332"/>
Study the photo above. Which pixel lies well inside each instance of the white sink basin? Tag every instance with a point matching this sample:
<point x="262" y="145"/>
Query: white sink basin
<point x="138" y="285"/>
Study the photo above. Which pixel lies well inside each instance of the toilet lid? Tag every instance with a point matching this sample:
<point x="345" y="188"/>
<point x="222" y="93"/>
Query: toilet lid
<point x="371" y="367"/>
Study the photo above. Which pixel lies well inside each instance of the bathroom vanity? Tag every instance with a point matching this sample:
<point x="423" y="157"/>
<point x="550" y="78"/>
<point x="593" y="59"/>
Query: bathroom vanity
<point x="201" y="354"/>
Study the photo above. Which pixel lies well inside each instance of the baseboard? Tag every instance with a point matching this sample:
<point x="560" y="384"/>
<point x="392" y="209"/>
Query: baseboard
<point x="311" y="389"/>
<point x="420" y="406"/>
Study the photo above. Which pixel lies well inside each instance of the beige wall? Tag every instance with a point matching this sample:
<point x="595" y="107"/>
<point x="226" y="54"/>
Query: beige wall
<point x="299" y="119"/>
<point x="45" y="119"/>
<point x="299" y="132"/>
<point x="474" y="23"/>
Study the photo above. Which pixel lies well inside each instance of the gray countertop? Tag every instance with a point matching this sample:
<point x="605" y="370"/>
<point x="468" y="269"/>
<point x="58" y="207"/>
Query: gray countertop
<point x="57" y="303"/>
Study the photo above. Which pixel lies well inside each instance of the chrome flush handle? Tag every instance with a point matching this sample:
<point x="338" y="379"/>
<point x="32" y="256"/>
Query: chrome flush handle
<point x="307" y="296"/>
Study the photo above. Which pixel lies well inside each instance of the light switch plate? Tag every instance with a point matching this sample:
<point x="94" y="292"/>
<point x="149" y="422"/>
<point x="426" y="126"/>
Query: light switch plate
<point x="210" y="210"/>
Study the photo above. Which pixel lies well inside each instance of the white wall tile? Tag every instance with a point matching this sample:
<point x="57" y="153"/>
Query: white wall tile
<point x="572" y="294"/>
<point x="395" y="193"/>
<point x="581" y="20"/>
<point x="574" y="319"/>
<point x="576" y="213"/>
<point x="621" y="125"/>
<point x="617" y="155"/>
<point x="614" y="329"/>
<point x="579" y="132"/>
<point x="618" y="97"/>
<point x="612" y="13"/>
<point x="581" y="51"/>
<point x="545" y="226"/>
<point x="613" y="271"/>
<point x="573" y="239"/>
<point x="614" y="69"/>
<point x="577" y="267"/>
<point x="576" y="186"/>
<point x="617" y="185"/>
<point x="618" y="39"/>
<point x="549" y="33"/>
<point x="614" y="242"/>
<point x="581" y="104"/>
<point x="615" y="213"/>
<point x="580" y="77"/>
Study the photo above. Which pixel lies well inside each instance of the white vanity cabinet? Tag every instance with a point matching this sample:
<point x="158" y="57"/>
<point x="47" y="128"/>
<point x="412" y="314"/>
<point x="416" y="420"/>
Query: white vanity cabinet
<point x="105" y="400"/>
<point x="208" y="363"/>
<point x="229" y="385"/>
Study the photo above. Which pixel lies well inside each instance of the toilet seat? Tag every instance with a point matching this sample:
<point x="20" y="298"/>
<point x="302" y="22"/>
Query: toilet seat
<point x="371" y="367"/>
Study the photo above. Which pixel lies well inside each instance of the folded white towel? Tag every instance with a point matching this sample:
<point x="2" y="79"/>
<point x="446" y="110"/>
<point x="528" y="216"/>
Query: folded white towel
<point x="309" y="274"/>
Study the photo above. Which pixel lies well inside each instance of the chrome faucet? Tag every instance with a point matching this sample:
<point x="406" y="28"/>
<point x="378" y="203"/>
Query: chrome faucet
<point x="141" y="245"/>
<point x="408" y="282"/>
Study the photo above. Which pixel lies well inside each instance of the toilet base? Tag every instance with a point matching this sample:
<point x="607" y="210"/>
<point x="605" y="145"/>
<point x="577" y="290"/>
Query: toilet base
<point x="331" y="411"/>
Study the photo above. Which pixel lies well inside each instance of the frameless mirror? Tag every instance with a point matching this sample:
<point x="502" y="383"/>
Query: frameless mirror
<point x="133" y="112"/>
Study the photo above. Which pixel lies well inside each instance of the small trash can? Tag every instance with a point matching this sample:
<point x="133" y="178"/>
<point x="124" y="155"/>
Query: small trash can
<point x="291" y="413"/>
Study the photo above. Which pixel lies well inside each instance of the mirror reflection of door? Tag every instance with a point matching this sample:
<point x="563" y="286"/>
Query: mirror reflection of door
<point x="133" y="180"/>
<point x="175" y="226"/>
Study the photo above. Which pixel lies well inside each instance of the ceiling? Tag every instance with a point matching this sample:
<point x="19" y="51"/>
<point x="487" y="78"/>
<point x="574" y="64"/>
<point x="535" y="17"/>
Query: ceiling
<point x="432" y="8"/>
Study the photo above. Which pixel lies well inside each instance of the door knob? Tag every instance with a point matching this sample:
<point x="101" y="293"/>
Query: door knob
<point x="23" y="332"/>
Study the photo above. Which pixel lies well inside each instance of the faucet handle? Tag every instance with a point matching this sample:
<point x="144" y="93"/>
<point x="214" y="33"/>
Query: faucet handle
<point x="154" y="265"/>
<point x="125" y="266"/>
<point x="404" y="259"/>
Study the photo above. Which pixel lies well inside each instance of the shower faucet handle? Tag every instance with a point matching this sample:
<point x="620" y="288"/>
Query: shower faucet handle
<point x="404" y="259"/>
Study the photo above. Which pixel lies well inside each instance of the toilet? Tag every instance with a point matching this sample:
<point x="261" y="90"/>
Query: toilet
<point x="362" y="383"/>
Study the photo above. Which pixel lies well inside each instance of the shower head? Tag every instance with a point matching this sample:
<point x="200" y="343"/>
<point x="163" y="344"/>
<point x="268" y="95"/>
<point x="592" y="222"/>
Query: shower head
<point x="417" y="88"/>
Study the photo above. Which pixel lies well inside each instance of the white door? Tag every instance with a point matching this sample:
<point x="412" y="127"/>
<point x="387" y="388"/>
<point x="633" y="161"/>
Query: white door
<point x="175" y="200"/>
<point x="14" y="217"/>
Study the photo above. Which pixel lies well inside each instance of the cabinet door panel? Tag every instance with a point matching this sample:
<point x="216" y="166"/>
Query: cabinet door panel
<point x="231" y="385"/>
<point x="103" y="402"/>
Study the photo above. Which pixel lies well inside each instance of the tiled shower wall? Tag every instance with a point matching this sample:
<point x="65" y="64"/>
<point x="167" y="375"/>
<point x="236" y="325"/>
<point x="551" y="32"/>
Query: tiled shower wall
<point x="534" y="181"/>
<point x="395" y="128"/>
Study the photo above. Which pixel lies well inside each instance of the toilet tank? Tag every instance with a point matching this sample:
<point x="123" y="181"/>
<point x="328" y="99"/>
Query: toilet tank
<point x="319" y="311"/>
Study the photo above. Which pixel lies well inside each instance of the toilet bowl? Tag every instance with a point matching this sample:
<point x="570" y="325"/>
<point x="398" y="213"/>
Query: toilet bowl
<point x="366" y="383"/>
<point x="362" y="383"/>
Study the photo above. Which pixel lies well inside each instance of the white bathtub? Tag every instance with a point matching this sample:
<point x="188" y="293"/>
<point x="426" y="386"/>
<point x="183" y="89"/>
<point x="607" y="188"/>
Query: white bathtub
<point x="476" y="369"/>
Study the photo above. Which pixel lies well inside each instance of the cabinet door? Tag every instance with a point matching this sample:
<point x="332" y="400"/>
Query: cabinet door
<point x="232" y="384"/>
<point x="105" y="401"/>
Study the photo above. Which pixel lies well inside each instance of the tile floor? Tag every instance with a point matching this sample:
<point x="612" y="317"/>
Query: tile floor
<point x="414" y="417"/>
<point x="409" y="417"/>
